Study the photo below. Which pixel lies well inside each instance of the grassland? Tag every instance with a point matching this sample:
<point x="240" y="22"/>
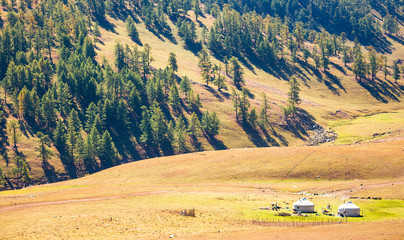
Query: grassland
<point x="143" y="200"/>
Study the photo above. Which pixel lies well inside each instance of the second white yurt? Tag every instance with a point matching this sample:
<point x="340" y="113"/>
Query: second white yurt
<point x="349" y="209"/>
<point x="303" y="205"/>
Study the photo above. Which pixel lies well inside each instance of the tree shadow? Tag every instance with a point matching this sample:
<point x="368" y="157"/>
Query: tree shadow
<point x="104" y="23"/>
<point x="215" y="143"/>
<point x="254" y="135"/>
<point x="334" y="80"/>
<point x="214" y="92"/>
<point x="49" y="171"/>
<point x="338" y="67"/>
<point x="382" y="90"/>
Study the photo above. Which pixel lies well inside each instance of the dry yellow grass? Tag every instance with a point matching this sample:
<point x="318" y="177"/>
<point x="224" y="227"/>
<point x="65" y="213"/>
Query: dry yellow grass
<point x="143" y="199"/>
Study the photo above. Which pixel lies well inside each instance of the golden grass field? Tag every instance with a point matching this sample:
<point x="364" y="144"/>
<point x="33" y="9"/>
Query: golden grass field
<point x="143" y="200"/>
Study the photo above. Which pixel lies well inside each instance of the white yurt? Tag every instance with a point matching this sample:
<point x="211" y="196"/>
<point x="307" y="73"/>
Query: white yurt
<point x="303" y="205"/>
<point x="349" y="209"/>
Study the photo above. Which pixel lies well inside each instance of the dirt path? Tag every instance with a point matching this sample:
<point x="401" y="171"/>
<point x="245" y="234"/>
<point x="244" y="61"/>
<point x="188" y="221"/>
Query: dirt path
<point x="346" y="191"/>
<point x="29" y="205"/>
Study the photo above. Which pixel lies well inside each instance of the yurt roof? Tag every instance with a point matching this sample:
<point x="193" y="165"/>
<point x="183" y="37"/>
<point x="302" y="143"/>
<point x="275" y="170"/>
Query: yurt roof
<point x="348" y="205"/>
<point x="303" y="202"/>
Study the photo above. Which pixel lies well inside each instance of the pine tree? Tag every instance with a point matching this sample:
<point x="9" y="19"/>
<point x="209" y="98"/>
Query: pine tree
<point x="3" y="137"/>
<point x="14" y="132"/>
<point x="158" y="124"/>
<point x="210" y="124"/>
<point x="174" y="98"/>
<point x="244" y="105"/>
<point x="197" y="9"/>
<point x="359" y="67"/>
<point x="253" y="118"/>
<point x="264" y="115"/>
<point x="44" y="153"/>
<point x="194" y="127"/>
<point x="172" y="62"/>
<point x="185" y="85"/>
<point x="294" y="98"/>
<point x="236" y="72"/>
<point x="205" y="65"/>
<point x="107" y="151"/>
<point x="180" y="135"/>
<point x="236" y="101"/>
<point x="396" y="71"/>
<point x="373" y="63"/>
<point x="131" y="27"/>
<point x="146" y="129"/>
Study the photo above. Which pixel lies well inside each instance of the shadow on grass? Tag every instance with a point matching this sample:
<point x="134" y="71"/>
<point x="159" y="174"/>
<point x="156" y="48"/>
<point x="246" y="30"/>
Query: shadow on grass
<point x="382" y="90"/>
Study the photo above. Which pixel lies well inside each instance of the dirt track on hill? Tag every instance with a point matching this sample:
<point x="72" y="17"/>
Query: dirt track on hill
<point x="37" y="204"/>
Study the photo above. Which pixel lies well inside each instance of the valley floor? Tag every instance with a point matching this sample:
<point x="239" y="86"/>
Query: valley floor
<point x="226" y="189"/>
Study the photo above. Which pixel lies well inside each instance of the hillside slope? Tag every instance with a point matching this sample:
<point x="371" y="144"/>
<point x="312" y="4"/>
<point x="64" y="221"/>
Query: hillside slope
<point x="331" y="97"/>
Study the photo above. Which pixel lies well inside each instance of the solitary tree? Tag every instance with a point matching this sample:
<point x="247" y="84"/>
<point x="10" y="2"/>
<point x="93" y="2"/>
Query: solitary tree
<point x="294" y="98"/>
<point x="172" y="62"/>
<point x="396" y="71"/>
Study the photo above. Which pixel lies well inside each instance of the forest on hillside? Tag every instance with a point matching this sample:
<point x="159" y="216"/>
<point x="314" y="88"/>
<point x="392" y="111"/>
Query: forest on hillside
<point x="100" y="113"/>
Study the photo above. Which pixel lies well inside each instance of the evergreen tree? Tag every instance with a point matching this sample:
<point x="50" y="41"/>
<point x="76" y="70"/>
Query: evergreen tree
<point x="131" y="27"/>
<point x="194" y="127"/>
<point x="205" y="65"/>
<point x="294" y="98"/>
<point x="244" y="105"/>
<point x="180" y="135"/>
<point x="3" y="137"/>
<point x="146" y="129"/>
<point x="373" y="63"/>
<point x="396" y="71"/>
<point x="185" y="85"/>
<point x="107" y="151"/>
<point x="44" y="153"/>
<point x="236" y="72"/>
<point x="264" y="114"/>
<point x="14" y="132"/>
<point x="172" y="62"/>
<point x="158" y="124"/>
<point x="210" y="124"/>
<point x="197" y="9"/>
<point x="174" y="98"/>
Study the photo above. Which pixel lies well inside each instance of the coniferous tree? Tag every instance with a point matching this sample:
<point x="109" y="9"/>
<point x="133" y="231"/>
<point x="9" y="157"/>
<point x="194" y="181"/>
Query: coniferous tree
<point x="236" y="72"/>
<point x="14" y="132"/>
<point x="172" y="62"/>
<point x="107" y="151"/>
<point x="131" y="27"/>
<point x="244" y="105"/>
<point x="3" y="137"/>
<point x="210" y="124"/>
<point x="194" y="127"/>
<point x="44" y="153"/>
<point x="396" y="71"/>
<point x="205" y="65"/>
<point x="185" y="85"/>
<point x="197" y="9"/>
<point x="146" y="128"/>
<point x="174" y="98"/>
<point x="294" y="98"/>
<point x="264" y="114"/>
<point x="180" y="135"/>
<point x="158" y="124"/>
<point x="373" y="63"/>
